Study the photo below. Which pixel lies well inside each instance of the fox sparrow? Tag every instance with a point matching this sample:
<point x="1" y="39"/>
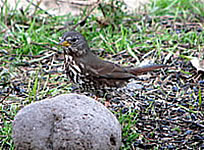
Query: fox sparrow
<point x="92" y="73"/>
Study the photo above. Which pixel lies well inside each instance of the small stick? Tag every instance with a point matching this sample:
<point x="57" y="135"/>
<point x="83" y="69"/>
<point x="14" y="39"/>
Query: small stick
<point x="37" y="6"/>
<point x="88" y="14"/>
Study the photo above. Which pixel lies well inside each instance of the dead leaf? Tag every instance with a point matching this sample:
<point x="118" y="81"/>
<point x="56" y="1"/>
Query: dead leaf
<point x="198" y="64"/>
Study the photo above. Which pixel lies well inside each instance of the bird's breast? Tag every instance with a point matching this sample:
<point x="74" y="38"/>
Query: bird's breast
<point x="75" y="70"/>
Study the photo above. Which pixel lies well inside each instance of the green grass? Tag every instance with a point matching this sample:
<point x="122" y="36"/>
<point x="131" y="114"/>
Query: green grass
<point x="177" y="8"/>
<point x="139" y="34"/>
<point x="7" y="115"/>
<point x="128" y="121"/>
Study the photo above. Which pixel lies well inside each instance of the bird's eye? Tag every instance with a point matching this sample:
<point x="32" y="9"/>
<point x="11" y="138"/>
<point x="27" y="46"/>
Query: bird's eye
<point x="73" y="40"/>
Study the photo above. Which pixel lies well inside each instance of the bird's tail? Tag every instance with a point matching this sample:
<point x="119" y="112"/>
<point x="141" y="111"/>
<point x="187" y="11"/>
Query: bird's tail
<point x="147" y="68"/>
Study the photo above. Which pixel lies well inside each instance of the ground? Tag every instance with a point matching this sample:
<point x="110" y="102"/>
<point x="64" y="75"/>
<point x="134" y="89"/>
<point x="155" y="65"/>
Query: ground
<point x="161" y="110"/>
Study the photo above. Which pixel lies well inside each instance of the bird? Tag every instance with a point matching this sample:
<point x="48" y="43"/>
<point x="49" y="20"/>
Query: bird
<point x="91" y="73"/>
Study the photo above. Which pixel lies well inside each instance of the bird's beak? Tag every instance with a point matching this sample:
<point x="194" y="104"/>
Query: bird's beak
<point x="64" y="43"/>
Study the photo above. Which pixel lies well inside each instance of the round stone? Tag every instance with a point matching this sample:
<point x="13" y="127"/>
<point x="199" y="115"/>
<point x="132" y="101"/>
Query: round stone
<point x="68" y="122"/>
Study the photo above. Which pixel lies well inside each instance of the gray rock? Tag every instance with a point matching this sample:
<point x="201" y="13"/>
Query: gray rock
<point x="68" y="122"/>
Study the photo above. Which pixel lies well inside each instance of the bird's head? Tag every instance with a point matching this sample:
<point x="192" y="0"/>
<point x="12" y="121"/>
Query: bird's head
<point x="74" y="43"/>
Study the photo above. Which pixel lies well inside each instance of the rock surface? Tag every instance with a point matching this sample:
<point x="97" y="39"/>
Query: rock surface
<point x="67" y="122"/>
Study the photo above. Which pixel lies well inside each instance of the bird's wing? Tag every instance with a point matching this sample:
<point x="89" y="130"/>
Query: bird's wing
<point x="105" y="69"/>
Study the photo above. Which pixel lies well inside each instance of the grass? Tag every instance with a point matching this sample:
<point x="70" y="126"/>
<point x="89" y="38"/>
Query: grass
<point x="159" y="32"/>
<point x="177" y="8"/>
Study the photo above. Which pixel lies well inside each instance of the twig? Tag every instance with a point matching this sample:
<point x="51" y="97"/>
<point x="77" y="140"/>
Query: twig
<point x="88" y="14"/>
<point x="75" y="2"/>
<point x="47" y="47"/>
<point x="1" y="101"/>
<point x="100" y="6"/>
<point x="36" y="6"/>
